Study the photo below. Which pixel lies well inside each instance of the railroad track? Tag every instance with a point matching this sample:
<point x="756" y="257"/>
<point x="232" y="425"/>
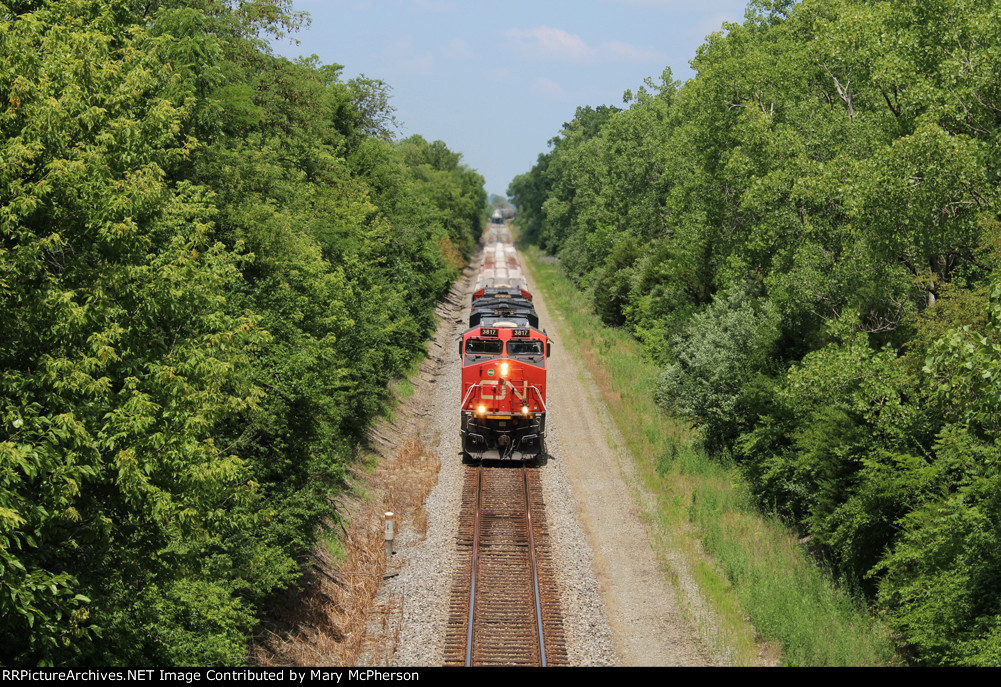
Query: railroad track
<point x="504" y="607"/>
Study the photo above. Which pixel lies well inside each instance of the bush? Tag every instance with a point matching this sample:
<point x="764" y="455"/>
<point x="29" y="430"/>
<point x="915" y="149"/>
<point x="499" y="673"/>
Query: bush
<point x="720" y="351"/>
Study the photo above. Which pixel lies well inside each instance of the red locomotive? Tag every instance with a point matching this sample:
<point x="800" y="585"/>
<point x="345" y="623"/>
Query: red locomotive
<point x="504" y="355"/>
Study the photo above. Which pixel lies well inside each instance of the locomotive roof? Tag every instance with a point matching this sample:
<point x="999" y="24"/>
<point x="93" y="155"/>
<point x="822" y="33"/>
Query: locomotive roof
<point x="505" y="324"/>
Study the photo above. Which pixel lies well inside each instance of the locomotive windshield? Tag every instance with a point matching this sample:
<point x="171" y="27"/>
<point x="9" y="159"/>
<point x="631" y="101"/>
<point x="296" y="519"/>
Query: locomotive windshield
<point x="484" y="346"/>
<point x="524" y="348"/>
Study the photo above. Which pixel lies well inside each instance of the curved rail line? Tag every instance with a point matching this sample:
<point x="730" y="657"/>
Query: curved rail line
<point x="505" y="608"/>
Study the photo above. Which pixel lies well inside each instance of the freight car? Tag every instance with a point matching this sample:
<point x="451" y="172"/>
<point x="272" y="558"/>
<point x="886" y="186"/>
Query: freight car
<point x="504" y="356"/>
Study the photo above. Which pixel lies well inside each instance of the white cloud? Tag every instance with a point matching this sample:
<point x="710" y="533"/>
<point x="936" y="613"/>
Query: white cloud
<point x="356" y="5"/>
<point x="457" y="49"/>
<point x="545" y="42"/>
<point x="408" y="59"/>
<point x="500" y="74"/>
<point x="435" y="5"/>
<point x="629" y="52"/>
<point x="711" y="24"/>
<point x="549" y="89"/>
<point x="682" y="5"/>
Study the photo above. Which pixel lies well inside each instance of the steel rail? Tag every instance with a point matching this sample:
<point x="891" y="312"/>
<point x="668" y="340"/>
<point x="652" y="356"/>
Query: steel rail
<point x="535" y="570"/>
<point x="491" y="621"/>
<point x="476" y="552"/>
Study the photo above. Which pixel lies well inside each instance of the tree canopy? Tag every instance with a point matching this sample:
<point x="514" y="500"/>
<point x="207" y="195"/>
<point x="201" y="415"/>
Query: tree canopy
<point x="805" y="236"/>
<point x="212" y="259"/>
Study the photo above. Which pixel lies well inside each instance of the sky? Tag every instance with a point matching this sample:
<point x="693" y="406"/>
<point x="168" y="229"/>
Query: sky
<point x="496" y="79"/>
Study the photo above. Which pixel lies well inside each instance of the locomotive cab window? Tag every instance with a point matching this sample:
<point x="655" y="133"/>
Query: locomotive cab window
<point x="484" y="346"/>
<point x="524" y="348"/>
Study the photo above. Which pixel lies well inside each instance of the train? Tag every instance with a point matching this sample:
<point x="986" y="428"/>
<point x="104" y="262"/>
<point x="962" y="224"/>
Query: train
<point x="504" y="357"/>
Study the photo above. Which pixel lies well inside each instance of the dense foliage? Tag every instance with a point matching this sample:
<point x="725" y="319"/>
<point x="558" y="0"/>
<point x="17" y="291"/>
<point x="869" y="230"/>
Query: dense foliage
<point x="806" y="237"/>
<point x="212" y="260"/>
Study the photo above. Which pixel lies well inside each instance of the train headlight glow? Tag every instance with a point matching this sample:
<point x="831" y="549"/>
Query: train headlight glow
<point x="504" y="369"/>
<point x="481" y="410"/>
<point x="524" y="410"/>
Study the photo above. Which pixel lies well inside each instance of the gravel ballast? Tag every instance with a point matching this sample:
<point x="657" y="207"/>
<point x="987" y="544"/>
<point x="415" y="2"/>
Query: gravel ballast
<point x="618" y="610"/>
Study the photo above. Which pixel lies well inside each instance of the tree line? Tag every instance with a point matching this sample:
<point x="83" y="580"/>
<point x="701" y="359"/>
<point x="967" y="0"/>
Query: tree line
<point x="805" y="237"/>
<point x="212" y="259"/>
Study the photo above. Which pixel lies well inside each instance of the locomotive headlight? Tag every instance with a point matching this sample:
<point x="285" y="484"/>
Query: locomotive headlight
<point x="524" y="410"/>
<point x="504" y="369"/>
<point x="481" y="410"/>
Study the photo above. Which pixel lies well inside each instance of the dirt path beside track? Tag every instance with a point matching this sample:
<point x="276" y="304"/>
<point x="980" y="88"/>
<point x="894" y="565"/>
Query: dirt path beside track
<point x="647" y="625"/>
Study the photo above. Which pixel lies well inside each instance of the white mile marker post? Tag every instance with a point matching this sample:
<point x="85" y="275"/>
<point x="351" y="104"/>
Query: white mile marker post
<point x="389" y="534"/>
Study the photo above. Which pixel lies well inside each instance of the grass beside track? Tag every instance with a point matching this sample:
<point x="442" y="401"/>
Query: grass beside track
<point x="770" y="601"/>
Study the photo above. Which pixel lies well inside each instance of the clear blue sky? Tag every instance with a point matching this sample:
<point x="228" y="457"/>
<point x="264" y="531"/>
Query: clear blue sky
<point x="496" y="79"/>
